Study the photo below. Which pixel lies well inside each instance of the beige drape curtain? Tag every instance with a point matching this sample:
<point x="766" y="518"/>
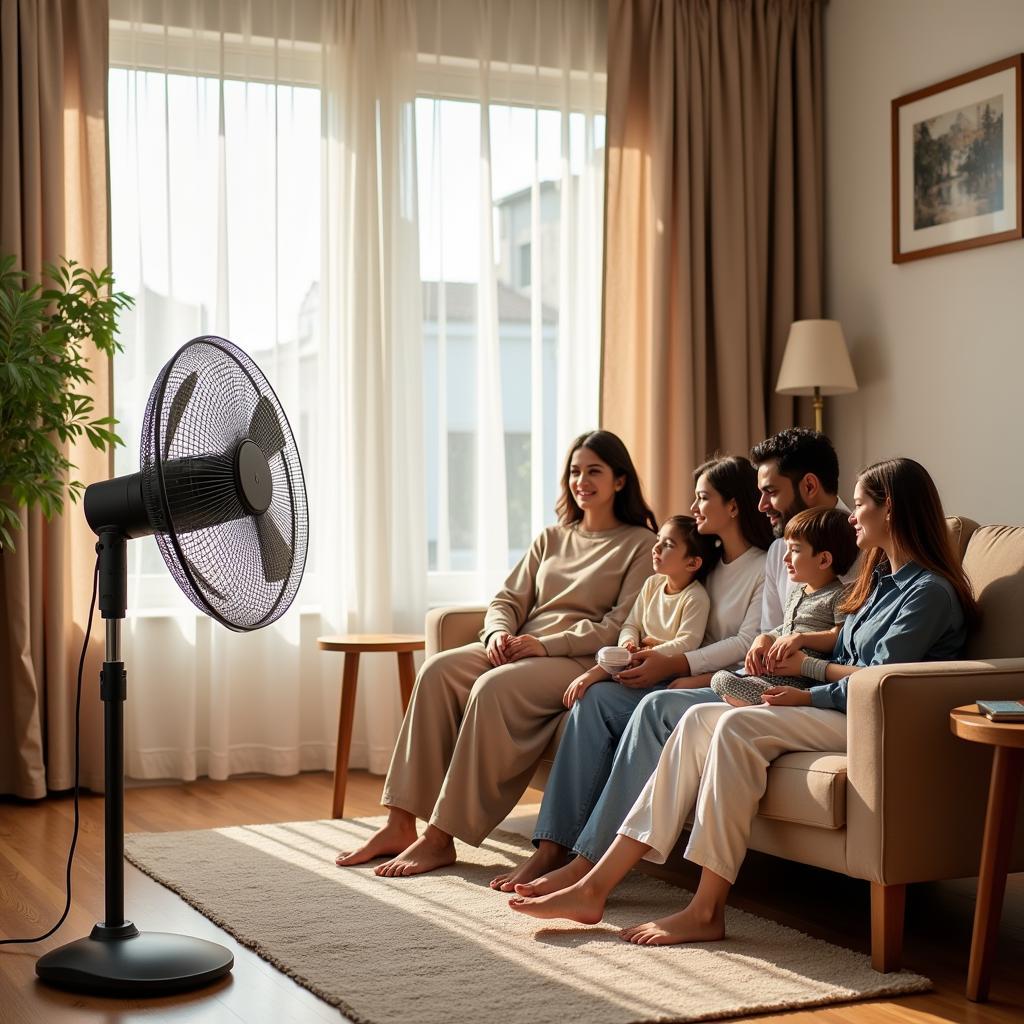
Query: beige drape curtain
<point x="53" y="202"/>
<point x="714" y="224"/>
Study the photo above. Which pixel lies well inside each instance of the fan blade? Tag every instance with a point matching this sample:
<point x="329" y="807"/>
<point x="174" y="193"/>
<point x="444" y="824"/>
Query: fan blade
<point x="203" y="581"/>
<point x="275" y="553"/>
<point x="265" y="427"/>
<point x="178" y="406"/>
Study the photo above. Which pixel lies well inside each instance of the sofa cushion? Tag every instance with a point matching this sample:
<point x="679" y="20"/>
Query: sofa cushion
<point x="807" y="787"/>
<point x="994" y="563"/>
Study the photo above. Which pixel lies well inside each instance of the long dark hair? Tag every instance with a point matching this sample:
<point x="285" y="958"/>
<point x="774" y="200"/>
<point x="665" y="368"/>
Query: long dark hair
<point x="735" y="479"/>
<point x="630" y="505"/>
<point x="918" y="527"/>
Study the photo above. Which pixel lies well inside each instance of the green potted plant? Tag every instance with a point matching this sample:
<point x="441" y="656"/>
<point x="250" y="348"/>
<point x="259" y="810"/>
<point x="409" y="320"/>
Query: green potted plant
<point x="44" y="381"/>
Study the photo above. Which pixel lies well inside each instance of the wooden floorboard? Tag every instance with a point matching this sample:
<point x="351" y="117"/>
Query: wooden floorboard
<point x="33" y="847"/>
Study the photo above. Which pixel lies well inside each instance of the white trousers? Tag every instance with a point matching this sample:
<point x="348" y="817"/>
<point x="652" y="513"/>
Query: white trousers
<point x="716" y="764"/>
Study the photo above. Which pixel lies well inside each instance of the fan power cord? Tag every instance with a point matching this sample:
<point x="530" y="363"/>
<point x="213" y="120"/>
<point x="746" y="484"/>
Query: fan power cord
<point x="78" y="738"/>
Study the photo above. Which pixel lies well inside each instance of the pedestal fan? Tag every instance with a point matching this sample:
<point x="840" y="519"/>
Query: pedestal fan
<point x="220" y="486"/>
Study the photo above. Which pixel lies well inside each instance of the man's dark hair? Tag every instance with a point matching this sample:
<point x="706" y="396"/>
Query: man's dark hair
<point x="799" y="451"/>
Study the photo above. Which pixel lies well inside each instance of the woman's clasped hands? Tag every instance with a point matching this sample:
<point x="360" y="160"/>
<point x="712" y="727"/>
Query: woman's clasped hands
<point x="503" y="648"/>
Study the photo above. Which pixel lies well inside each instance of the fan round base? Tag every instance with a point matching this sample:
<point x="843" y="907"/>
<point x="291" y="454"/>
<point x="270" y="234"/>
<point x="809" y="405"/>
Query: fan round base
<point x="127" y="962"/>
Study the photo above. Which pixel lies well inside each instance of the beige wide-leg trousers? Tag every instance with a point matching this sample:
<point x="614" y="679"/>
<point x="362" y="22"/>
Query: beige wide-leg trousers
<point x="472" y="738"/>
<point x="716" y="764"/>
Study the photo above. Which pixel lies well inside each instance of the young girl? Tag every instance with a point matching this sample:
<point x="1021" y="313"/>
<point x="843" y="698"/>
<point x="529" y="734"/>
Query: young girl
<point x="613" y="739"/>
<point x="820" y="547"/>
<point x="911" y="602"/>
<point x="481" y="715"/>
<point x="671" y="610"/>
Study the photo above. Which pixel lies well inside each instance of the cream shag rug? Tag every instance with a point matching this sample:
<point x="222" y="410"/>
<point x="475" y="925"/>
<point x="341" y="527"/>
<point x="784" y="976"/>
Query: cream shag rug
<point x="443" y="947"/>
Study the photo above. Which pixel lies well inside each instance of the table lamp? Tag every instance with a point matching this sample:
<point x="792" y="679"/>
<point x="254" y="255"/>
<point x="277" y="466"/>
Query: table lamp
<point x="816" y="363"/>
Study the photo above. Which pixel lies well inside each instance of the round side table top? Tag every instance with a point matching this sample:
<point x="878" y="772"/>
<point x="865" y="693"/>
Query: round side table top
<point x="366" y="643"/>
<point x="970" y="724"/>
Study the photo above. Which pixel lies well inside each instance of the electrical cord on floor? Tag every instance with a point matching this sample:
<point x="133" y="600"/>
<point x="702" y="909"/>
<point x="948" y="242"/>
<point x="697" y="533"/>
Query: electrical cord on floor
<point x="78" y="737"/>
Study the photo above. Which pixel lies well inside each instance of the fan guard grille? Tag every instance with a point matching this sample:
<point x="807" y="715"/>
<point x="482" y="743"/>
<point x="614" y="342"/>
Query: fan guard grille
<point x="240" y="566"/>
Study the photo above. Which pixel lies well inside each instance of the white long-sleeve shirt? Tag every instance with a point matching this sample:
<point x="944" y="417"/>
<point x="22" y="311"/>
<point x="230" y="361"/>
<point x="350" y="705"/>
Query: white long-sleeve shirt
<point x="735" y="589"/>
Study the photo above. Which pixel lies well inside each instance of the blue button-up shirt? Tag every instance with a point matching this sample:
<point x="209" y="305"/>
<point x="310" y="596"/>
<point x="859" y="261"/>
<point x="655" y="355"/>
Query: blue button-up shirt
<point x="910" y="615"/>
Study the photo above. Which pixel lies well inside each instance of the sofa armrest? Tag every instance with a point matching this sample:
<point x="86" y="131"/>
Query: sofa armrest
<point x="446" y="628"/>
<point x="916" y="794"/>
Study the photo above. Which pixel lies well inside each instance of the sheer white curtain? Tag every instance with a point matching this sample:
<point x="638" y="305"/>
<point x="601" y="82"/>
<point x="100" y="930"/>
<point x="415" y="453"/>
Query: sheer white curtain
<point x="263" y="187"/>
<point x="510" y="124"/>
<point x="370" y="389"/>
<point x="395" y="207"/>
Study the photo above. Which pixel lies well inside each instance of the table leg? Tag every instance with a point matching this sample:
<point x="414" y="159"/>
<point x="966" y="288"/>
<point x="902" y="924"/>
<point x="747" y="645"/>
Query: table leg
<point x="406" y="677"/>
<point x="1007" y="768"/>
<point x="349" y="678"/>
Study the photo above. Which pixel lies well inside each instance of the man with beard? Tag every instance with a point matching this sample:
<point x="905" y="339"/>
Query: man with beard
<point x="796" y="469"/>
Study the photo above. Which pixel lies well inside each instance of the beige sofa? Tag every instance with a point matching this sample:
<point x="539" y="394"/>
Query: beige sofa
<point x="906" y="802"/>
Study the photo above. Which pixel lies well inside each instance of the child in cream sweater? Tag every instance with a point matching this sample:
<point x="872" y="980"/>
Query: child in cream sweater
<point x="671" y="611"/>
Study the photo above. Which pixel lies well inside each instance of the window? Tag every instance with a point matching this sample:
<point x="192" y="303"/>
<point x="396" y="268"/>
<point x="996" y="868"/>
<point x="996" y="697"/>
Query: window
<point x="528" y="174"/>
<point x="216" y="223"/>
<point x="215" y="229"/>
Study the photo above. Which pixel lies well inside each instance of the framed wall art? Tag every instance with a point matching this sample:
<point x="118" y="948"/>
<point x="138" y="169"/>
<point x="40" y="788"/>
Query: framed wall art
<point x="956" y="163"/>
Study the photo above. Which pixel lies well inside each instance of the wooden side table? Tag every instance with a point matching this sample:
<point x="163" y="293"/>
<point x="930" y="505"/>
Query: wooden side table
<point x="1007" y="768"/>
<point x="352" y="645"/>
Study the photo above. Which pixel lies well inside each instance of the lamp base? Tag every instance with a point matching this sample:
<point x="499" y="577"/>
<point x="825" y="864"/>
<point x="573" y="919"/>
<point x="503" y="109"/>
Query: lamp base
<point x="125" y="962"/>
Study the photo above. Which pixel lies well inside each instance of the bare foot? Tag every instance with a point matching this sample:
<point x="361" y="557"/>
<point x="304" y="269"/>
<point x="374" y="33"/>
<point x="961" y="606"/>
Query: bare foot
<point x="433" y="849"/>
<point x="580" y="902"/>
<point x="555" y="881"/>
<point x="391" y="838"/>
<point x="546" y="857"/>
<point x="687" y="925"/>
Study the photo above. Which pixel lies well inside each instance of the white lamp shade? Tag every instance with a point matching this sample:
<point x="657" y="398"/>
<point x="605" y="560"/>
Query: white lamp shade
<point x="816" y="356"/>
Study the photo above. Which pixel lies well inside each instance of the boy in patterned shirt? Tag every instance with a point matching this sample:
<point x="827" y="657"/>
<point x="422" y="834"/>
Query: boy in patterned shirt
<point x="820" y="547"/>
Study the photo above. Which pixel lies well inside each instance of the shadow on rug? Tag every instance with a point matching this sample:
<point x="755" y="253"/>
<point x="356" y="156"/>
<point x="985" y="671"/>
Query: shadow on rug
<point x="444" y="947"/>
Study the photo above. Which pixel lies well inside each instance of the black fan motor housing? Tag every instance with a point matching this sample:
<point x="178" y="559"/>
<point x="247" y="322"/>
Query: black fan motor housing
<point x="118" y="505"/>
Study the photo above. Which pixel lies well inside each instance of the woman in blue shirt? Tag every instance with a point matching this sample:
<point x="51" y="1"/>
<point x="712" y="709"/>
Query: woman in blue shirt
<point x="911" y="602"/>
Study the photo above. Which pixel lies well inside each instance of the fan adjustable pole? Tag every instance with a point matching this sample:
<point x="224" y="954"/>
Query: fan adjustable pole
<point x="116" y="958"/>
<point x="113" y="597"/>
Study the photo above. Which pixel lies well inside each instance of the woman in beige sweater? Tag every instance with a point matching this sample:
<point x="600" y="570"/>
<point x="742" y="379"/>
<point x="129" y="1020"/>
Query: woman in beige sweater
<point x="482" y="715"/>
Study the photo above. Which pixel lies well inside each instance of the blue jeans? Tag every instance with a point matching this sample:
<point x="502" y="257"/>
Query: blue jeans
<point x="610" y="748"/>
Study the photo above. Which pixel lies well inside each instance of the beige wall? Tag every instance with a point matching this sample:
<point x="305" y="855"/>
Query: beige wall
<point x="938" y="343"/>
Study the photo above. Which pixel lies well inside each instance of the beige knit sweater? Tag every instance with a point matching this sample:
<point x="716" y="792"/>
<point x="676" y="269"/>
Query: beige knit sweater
<point x="573" y="589"/>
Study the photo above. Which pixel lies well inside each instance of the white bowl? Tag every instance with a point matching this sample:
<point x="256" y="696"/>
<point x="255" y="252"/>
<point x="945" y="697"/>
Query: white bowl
<point x="613" y="659"/>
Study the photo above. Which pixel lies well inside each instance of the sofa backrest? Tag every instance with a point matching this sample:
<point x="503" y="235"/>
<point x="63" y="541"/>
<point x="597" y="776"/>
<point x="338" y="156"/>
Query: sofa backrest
<point x="994" y="563"/>
<point x="960" y="530"/>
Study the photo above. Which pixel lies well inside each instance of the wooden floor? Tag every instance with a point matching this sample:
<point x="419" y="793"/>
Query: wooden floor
<point x="33" y="847"/>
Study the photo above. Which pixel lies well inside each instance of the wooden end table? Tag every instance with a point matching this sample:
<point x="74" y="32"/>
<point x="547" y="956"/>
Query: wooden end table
<point x="352" y="645"/>
<point x="1007" y="768"/>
